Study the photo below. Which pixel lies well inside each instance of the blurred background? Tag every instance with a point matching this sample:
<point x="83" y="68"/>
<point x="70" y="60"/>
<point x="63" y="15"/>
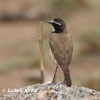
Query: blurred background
<point x="19" y="47"/>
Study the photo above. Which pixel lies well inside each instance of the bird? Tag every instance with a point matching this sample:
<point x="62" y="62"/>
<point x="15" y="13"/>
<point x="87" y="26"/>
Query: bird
<point x="61" y="48"/>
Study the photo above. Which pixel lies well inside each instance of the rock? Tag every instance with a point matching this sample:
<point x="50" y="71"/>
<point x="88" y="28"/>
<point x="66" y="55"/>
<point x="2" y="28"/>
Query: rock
<point x="49" y="91"/>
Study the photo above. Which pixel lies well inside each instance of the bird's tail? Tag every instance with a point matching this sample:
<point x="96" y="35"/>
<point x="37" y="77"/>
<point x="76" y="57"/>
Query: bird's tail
<point x="67" y="77"/>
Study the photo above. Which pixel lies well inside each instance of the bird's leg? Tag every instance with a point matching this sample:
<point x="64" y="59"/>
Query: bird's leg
<point x="54" y="77"/>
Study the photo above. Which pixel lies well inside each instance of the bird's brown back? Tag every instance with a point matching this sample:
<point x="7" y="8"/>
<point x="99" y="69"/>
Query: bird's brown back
<point x="62" y="48"/>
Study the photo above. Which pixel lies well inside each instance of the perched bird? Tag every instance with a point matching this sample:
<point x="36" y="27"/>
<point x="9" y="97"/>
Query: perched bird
<point x="61" y="48"/>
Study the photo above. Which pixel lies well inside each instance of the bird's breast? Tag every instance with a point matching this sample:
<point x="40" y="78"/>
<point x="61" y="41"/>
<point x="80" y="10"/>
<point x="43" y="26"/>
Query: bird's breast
<point x="63" y="42"/>
<point x="62" y="48"/>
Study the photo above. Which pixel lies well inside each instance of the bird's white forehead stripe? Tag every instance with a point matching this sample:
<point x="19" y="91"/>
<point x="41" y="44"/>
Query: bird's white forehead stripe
<point x="52" y="21"/>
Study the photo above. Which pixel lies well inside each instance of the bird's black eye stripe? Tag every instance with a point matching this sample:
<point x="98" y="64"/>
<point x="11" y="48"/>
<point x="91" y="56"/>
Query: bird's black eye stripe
<point x="58" y="28"/>
<point x="58" y="24"/>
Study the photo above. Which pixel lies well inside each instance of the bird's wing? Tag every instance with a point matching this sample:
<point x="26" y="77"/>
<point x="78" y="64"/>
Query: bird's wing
<point x="61" y="50"/>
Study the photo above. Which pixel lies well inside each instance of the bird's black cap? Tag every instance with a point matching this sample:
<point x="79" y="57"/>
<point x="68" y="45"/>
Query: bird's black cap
<point x="58" y="24"/>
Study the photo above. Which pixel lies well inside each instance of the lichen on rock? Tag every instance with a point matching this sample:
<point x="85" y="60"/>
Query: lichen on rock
<point x="58" y="91"/>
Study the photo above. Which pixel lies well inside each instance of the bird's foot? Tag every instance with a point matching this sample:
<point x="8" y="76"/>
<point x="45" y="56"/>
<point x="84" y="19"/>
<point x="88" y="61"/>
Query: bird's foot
<point x="53" y="81"/>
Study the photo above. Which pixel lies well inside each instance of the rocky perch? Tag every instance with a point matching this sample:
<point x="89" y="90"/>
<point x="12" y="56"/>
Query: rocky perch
<point x="48" y="91"/>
